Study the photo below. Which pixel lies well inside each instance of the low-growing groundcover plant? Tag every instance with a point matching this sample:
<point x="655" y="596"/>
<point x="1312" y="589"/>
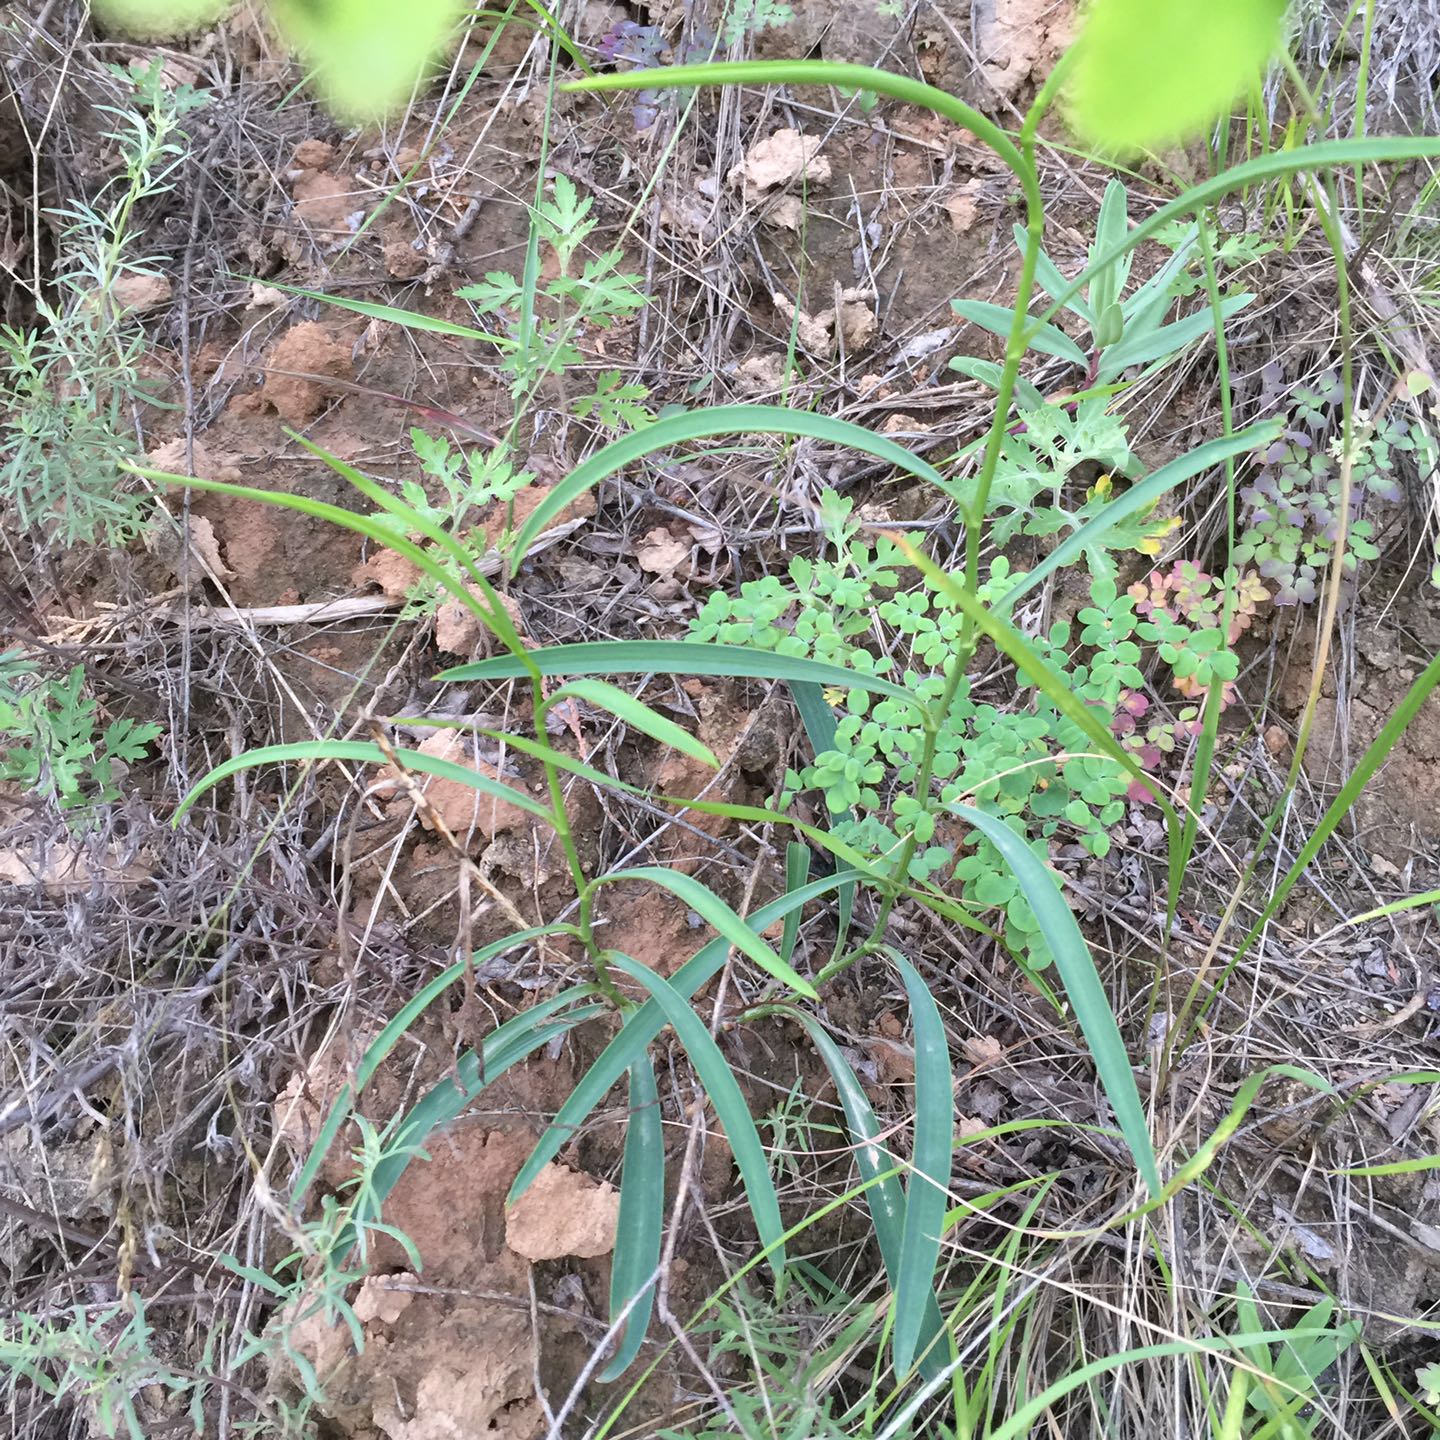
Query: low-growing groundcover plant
<point x="912" y="758"/>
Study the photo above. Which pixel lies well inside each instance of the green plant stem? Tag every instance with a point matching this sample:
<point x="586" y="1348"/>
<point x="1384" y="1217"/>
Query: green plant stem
<point x="975" y="516"/>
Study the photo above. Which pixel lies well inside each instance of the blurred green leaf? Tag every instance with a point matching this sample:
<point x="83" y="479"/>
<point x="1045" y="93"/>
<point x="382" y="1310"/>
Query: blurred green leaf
<point x="366" y="55"/>
<point x="1150" y="73"/>
<point x="158" y="19"/>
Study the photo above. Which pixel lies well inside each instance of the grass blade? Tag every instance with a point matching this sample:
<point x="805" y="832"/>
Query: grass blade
<point x="635" y="714"/>
<point x="675" y="657"/>
<point x="927" y="1195"/>
<point x="1082" y="984"/>
<point x="703" y="424"/>
<point x="366" y="525"/>
<point x="719" y="916"/>
<point x="371" y="754"/>
<point x="645" y="1024"/>
<point x="408" y="318"/>
<point x="884" y="1194"/>
<point x="472" y="1074"/>
<point x="730" y="1107"/>
<point x="642" y="1218"/>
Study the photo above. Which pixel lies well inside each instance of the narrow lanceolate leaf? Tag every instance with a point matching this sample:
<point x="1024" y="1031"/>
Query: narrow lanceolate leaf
<point x="646" y="1023"/>
<point x="642" y="1218"/>
<point x="704" y="424"/>
<point x="676" y="657"/>
<point x="408" y="1015"/>
<point x="638" y="716"/>
<point x="717" y="914"/>
<point x="884" y="1194"/>
<point x="797" y="872"/>
<point x="452" y="1095"/>
<point x="927" y="1194"/>
<point x="370" y="754"/>
<point x="1082" y="985"/>
<point x="491" y="613"/>
<point x="997" y="319"/>
<point x="410" y="319"/>
<point x="730" y="1107"/>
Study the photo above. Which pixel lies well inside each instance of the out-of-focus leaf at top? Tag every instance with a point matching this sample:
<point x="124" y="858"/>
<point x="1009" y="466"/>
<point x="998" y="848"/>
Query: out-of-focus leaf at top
<point x="365" y="55"/>
<point x="1150" y="73"/>
<point x="158" y="19"/>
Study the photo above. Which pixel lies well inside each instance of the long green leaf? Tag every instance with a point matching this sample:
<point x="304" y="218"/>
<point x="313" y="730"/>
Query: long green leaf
<point x="366" y="525"/>
<point x="730" y="1107"/>
<point x="1082" y="984"/>
<point x="406" y="1016"/>
<point x="473" y="1073"/>
<point x="368" y="753"/>
<point x="797" y="872"/>
<point x="492" y="614"/>
<point x="998" y="319"/>
<point x="634" y="713"/>
<point x="676" y="657"/>
<point x="1139" y="498"/>
<point x="699" y="425"/>
<point x="642" y="1218"/>
<point x="884" y="1194"/>
<point x="408" y="318"/>
<point x="927" y="1194"/>
<point x="640" y="1028"/>
<point x="719" y="916"/>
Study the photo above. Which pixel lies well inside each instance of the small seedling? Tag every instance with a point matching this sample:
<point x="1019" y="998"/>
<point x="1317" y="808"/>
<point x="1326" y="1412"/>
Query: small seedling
<point x="55" y="746"/>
